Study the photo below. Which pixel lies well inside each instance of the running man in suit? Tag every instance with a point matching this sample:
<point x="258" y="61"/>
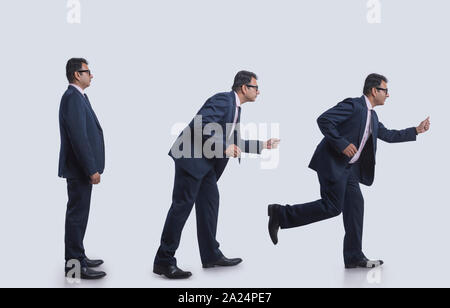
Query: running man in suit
<point x="344" y="159"/>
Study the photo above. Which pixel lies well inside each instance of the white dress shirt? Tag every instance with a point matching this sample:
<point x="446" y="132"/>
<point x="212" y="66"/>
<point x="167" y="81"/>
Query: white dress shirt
<point x="367" y="131"/>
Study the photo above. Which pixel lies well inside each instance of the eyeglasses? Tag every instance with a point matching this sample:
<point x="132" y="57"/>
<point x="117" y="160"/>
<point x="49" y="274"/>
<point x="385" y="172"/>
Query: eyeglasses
<point x="85" y="71"/>
<point x="383" y="89"/>
<point x="252" y="86"/>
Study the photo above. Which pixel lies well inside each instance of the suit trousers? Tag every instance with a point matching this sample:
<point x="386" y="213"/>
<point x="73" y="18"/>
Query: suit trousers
<point x="187" y="191"/>
<point x="77" y="215"/>
<point x="343" y="196"/>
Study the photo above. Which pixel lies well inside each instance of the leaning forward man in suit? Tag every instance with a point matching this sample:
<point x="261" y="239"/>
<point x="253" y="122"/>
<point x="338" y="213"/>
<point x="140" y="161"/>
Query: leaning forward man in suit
<point x="81" y="162"/>
<point x="344" y="159"/>
<point x="201" y="154"/>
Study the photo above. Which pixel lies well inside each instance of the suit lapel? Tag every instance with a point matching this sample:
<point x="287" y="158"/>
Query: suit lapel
<point x="374" y="128"/>
<point x="236" y="135"/>
<point x="233" y="107"/>
<point x="363" y="120"/>
<point x="92" y="110"/>
<point x="230" y="120"/>
<point x="88" y="105"/>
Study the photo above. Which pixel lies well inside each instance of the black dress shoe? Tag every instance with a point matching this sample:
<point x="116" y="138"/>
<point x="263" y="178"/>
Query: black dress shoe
<point x="274" y="222"/>
<point x="223" y="261"/>
<point x="171" y="271"/>
<point x="93" y="263"/>
<point x="88" y="274"/>
<point x="365" y="263"/>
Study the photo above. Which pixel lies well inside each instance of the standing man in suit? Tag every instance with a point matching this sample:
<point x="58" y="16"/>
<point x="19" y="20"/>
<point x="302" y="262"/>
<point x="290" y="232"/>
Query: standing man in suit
<point x="201" y="154"/>
<point x="345" y="158"/>
<point x="81" y="162"/>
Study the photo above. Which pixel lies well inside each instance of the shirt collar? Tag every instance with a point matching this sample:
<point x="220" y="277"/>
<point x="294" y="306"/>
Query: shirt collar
<point x="369" y="105"/>
<point x="78" y="88"/>
<point x="238" y="101"/>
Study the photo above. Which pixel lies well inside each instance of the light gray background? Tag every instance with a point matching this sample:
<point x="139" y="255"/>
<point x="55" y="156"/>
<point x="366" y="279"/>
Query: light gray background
<point x="155" y="63"/>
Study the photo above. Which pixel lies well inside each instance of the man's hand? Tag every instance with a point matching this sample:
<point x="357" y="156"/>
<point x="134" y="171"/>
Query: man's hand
<point x="233" y="151"/>
<point x="95" y="179"/>
<point x="271" y="144"/>
<point x="424" y="126"/>
<point x="350" y="151"/>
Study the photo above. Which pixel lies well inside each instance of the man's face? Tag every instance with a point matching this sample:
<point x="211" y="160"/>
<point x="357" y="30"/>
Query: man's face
<point x="251" y="91"/>
<point x="380" y="94"/>
<point x="84" y="76"/>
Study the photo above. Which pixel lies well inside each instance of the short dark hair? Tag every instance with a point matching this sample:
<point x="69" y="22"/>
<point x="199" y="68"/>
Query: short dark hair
<point x="242" y="78"/>
<point x="74" y="65"/>
<point x="373" y="81"/>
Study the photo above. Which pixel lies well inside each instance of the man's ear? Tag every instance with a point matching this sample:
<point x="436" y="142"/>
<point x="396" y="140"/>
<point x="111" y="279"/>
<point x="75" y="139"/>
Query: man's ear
<point x="76" y="75"/>
<point x="374" y="92"/>
<point x="244" y="90"/>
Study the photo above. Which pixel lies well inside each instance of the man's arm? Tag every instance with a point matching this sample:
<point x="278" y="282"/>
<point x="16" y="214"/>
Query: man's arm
<point x="329" y="121"/>
<point x="256" y="146"/>
<point x="251" y="146"/>
<point x="213" y="113"/>
<point x="395" y="136"/>
<point x="409" y="134"/>
<point x="74" y="116"/>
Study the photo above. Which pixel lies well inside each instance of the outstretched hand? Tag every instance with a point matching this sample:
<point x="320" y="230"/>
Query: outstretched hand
<point x="271" y="144"/>
<point x="424" y="126"/>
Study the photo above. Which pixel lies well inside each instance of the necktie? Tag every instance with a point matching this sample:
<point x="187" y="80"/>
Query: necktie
<point x="239" y="115"/>
<point x="373" y="115"/>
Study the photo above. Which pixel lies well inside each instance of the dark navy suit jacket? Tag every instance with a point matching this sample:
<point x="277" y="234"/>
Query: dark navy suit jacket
<point x="220" y="109"/>
<point x="82" y="151"/>
<point x="345" y="124"/>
